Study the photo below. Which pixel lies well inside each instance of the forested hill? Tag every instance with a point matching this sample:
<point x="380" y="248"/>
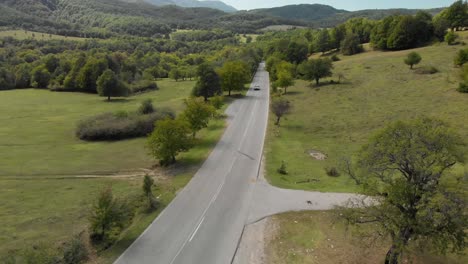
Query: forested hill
<point x="193" y="3"/>
<point x="102" y="18"/>
<point x="327" y="16"/>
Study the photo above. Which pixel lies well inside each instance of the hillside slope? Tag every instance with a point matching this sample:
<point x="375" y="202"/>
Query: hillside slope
<point x="327" y="16"/>
<point x="195" y="3"/>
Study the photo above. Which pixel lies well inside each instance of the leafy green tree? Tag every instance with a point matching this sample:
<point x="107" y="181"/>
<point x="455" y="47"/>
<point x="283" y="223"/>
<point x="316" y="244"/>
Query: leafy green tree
<point x="351" y="44"/>
<point x="197" y="113"/>
<point x="23" y="75"/>
<point x="316" y="69"/>
<point x="457" y="14"/>
<point x="297" y="52"/>
<point x="405" y="169"/>
<point x="51" y="63"/>
<point x="412" y="59"/>
<point x="169" y="138"/>
<point x="322" y="43"/>
<point x="89" y="73"/>
<point x="6" y="79"/>
<point x="175" y="74"/>
<point x="40" y="77"/>
<point x="337" y="35"/>
<point x="208" y="83"/>
<point x="451" y="37"/>
<point x="285" y="75"/>
<point x="280" y="107"/>
<point x="110" y="86"/>
<point x="108" y="217"/>
<point x="234" y="75"/>
<point x="441" y="24"/>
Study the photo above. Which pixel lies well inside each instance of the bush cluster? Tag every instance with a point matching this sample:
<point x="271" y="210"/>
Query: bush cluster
<point x="143" y="86"/>
<point x="427" y="70"/>
<point x="116" y="126"/>
<point x="332" y="172"/>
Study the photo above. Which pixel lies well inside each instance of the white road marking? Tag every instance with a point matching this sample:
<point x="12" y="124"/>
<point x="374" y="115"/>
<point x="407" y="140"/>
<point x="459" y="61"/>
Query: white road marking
<point x="196" y="230"/>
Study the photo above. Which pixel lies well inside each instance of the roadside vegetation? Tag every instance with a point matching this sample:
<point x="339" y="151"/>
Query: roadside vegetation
<point x="318" y="237"/>
<point x="336" y="118"/>
<point x="394" y="133"/>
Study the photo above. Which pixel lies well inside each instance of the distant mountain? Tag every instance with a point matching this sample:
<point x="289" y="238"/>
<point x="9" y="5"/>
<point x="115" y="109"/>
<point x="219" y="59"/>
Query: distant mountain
<point x="103" y="18"/>
<point x="195" y="3"/>
<point x="303" y="12"/>
<point x="327" y="16"/>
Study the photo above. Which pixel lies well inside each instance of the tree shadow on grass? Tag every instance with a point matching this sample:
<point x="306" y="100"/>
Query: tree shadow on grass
<point x="329" y="83"/>
<point x="118" y="100"/>
<point x="293" y="93"/>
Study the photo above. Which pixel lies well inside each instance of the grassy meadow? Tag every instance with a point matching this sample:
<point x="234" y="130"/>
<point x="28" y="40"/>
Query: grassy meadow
<point x="37" y="136"/>
<point x="317" y="237"/>
<point x="25" y="34"/>
<point x="337" y="119"/>
<point x="49" y="179"/>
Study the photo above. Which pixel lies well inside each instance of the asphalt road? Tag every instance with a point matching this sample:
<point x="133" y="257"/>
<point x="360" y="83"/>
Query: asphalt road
<point x="204" y="223"/>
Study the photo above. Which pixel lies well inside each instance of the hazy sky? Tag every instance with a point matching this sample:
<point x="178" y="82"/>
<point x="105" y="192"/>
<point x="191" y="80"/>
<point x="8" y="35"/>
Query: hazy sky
<point x="342" y="4"/>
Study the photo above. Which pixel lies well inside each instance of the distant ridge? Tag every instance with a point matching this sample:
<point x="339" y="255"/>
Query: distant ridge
<point x="328" y="16"/>
<point x="195" y="3"/>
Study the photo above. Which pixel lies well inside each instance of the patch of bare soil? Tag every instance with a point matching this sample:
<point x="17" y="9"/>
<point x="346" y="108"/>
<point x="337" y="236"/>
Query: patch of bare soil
<point x="317" y="154"/>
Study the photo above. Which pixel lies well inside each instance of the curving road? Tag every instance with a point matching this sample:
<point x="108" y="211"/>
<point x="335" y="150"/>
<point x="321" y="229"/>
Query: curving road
<point x="204" y="223"/>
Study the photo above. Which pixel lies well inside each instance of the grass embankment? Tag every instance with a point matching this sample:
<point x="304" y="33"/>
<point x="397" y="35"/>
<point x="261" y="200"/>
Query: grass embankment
<point x="25" y="34"/>
<point x="317" y="237"/>
<point x="43" y="202"/>
<point x="337" y="119"/>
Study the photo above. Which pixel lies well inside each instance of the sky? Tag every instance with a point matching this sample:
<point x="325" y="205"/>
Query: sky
<point x="350" y="5"/>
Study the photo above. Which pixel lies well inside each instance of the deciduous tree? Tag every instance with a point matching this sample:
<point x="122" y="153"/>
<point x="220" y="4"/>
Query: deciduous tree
<point x="170" y="137"/>
<point x="405" y="168"/>
<point x="316" y="69"/>
<point x="110" y="86"/>
<point x="280" y="107"/>
<point x="197" y="113"/>
<point x="234" y="75"/>
<point x="412" y="59"/>
<point x="208" y="83"/>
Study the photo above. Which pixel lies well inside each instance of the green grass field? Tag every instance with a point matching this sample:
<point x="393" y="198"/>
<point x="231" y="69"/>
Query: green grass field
<point x="337" y="119"/>
<point x="319" y="238"/>
<point x="44" y="201"/>
<point x="37" y="133"/>
<point x="25" y="34"/>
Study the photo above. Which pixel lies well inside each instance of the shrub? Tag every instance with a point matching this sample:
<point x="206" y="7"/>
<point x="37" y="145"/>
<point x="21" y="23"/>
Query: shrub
<point x="461" y="57"/>
<point x="146" y="107"/>
<point x="451" y="37"/>
<point x="119" y="126"/>
<point x="143" y="86"/>
<point x="148" y="183"/>
<point x="332" y="171"/>
<point x="427" y="70"/>
<point x="463" y="87"/>
<point x="335" y="58"/>
<point x="412" y="59"/>
<point x="75" y="251"/>
<point x="282" y="169"/>
<point x="108" y="217"/>
<point x="217" y="102"/>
